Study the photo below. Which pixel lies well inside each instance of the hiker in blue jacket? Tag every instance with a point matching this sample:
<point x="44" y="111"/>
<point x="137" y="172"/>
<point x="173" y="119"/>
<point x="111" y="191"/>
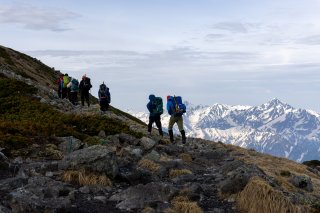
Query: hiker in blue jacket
<point x="155" y="108"/>
<point x="176" y="109"/>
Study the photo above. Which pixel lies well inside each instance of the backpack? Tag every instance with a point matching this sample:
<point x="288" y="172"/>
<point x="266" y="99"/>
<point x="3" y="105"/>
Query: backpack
<point x="104" y="93"/>
<point x="158" y="110"/>
<point x="87" y="84"/>
<point x="179" y="107"/>
<point x="65" y="81"/>
<point x="75" y="85"/>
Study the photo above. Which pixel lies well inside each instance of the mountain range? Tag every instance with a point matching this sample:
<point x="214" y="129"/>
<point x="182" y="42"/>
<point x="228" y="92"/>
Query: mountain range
<point x="274" y="128"/>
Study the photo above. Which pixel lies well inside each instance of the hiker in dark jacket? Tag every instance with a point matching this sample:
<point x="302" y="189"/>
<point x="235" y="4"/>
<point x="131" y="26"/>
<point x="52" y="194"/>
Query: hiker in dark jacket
<point x="154" y="117"/>
<point x="176" y="117"/>
<point x="84" y="87"/>
<point x="104" y="97"/>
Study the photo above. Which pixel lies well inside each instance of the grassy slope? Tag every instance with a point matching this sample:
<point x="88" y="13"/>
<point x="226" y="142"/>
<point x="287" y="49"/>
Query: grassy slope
<point x="23" y="119"/>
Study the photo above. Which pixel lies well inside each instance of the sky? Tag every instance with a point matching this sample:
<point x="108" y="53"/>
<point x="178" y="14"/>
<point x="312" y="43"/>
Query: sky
<point x="236" y="52"/>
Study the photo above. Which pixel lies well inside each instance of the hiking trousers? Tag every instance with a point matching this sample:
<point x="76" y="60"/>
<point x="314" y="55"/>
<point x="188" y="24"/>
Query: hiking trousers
<point x="85" y="95"/>
<point x="157" y="120"/>
<point x="176" y="119"/>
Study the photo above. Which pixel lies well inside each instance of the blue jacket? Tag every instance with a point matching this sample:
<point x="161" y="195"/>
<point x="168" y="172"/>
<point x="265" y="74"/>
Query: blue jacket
<point x="150" y="105"/>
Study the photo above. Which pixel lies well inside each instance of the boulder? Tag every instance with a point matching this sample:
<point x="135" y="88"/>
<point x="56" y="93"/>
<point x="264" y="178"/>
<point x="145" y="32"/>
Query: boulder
<point x="302" y="182"/>
<point x="139" y="196"/>
<point x="96" y="158"/>
<point x="147" y="143"/>
<point x="40" y="194"/>
<point x="70" y="144"/>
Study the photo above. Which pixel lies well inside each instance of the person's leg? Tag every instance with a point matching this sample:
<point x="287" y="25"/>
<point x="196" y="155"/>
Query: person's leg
<point x="158" y="123"/>
<point x="82" y="98"/>
<point x="180" y="126"/>
<point x="75" y="98"/>
<point x="170" y="126"/>
<point x="151" y="120"/>
<point x="87" y="97"/>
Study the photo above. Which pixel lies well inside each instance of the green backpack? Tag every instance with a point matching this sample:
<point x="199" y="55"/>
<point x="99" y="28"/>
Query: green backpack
<point x="159" y="106"/>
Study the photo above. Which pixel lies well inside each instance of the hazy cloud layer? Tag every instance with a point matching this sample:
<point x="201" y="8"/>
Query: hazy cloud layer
<point x="233" y="27"/>
<point x="36" y="18"/>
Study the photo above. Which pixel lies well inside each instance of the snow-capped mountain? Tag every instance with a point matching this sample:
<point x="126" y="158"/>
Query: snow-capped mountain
<point x="275" y="128"/>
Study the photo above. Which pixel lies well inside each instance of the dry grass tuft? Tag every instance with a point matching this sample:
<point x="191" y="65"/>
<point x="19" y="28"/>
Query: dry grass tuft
<point x="165" y="158"/>
<point x="82" y="178"/>
<point x="182" y="204"/>
<point x="177" y="172"/>
<point x="186" y="157"/>
<point x="259" y="196"/>
<point x="147" y="210"/>
<point x="148" y="164"/>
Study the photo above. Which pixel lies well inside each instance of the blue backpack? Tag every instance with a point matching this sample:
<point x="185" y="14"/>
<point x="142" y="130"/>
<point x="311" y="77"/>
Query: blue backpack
<point x="178" y="107"/>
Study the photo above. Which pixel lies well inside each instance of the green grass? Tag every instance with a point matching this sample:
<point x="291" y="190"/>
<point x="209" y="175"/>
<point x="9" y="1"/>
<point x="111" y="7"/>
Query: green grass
<point x="23" y="119"/>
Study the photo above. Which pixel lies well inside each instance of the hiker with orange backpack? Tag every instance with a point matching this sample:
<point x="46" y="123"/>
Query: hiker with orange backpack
<point x="176" y="109"/>
<point x="155" y="107"/>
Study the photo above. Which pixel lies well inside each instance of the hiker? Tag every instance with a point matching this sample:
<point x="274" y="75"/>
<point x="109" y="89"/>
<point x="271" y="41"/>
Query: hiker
<point x="60" y="83"/>
<point x="74" y="88"/>
<point x="65" y="90"/>
<point x="84" y="87"/>
<point x="176" y="109"/>
<point x="155" y="107"/>
<point x="104" y="97"/>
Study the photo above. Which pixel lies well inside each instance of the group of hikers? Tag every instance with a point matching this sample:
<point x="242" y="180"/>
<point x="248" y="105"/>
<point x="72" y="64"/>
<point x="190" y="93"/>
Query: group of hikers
<point x="175" y="108"/>
<point x="69" y="88"/>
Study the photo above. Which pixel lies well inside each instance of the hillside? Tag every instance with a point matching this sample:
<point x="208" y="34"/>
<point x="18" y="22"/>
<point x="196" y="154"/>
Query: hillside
<point x="59" y="158"/>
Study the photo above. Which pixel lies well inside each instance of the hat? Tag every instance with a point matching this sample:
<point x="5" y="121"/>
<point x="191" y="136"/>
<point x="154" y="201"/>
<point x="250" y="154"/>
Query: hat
<point x="84" y="76"/>
<point x="152" y="97"/>
<point x="168" y="96"/>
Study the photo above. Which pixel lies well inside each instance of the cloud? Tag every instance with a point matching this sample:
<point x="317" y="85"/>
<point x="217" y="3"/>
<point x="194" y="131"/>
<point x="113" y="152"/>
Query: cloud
<point x="36" y="18"/>
<point x="310" y="40"/>
<point x="233" y="27"/>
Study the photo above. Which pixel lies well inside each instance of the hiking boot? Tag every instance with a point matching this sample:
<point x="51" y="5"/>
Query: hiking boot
<point x="171" y="136"/>
<point x="183" y="134"/>
<point x="161" y="133"/>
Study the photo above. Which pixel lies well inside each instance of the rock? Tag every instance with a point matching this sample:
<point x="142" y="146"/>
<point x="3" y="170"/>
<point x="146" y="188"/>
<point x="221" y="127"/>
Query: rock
<point x="302" y="182"/>
<point x="129" y="139"/>
<point x="102" y="134"/>
<point x="40" y="194"/>
<point x="103" y="199"/>
<point x="70" y="144"/>
<point x="147" y="143"/>
<point x="137" y="152"/>
<point x="137" y="197"/>
<point x="36" y="168"/>
<point x="153" y="155"/>
<point x="238" y="178"/>
<point x="84" y="190"/>
<point x="4" y="209"/>
<point x="18" y="160"/>
<point x="94" y="158"/>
